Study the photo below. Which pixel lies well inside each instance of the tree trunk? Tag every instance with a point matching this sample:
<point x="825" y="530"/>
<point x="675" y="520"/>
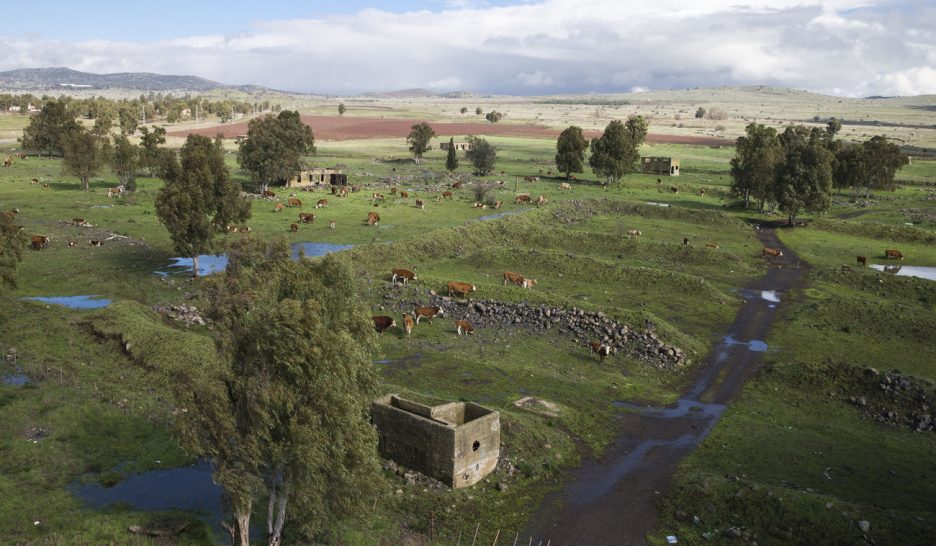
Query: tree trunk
<point x="84" y="183"/>
<point x="195" y="265"/>
<point x="275" y="520"/>
<point x="747" y="198"/>
<point x="240" y="531"/>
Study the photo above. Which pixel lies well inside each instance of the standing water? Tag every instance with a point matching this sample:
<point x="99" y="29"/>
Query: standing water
<point x="210" y="263"/>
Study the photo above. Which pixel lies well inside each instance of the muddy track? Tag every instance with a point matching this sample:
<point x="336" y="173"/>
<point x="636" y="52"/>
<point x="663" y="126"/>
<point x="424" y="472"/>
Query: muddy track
<point x="613" y="500"/>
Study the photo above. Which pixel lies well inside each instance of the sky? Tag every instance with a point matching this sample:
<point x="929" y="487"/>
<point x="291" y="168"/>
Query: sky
<point x="534" y="47"/>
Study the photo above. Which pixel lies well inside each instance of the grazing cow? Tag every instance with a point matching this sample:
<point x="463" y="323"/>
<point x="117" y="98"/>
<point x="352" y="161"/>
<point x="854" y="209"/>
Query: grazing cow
<point x="408" y="324"/>
<point x="428" y="313"/>
<point x="306" y="217"/>
<point x="393" y="190"/>
<point x="420" y="204"/>
<point x="702" y="192"/>
<point x="541" y="200"/>
<point x="378" y="196"/>
<point x="565" y="186"/>
<point x="464" y="326"/>
<point x="382" y="323"/>
<point x="78" y="222"/>
<point x="334" y="190"/>
<point x="771" y="252"/>
<point x="503" y="173"/>
<point x="71" y="244"/>
<point x="457" y="186"/>
<point x="711" y="245"/>
<point x="233" y="229"/>
<point x="322" y="203"/>
<point x="8" y="162"/>
<point x="531" y="179"/>
<point x="293" y="228"/>
<point x="279" y="207"/>
<point x="372" y="218"/>
<point x="293" y="202"/>
<point x="21" y="155"/>
<point x="331" y="224"/>
<point x="118" y="191"/>
<point x="497" y="204"/>
<point x="634" y="233"/>
<point x="862" y="260"/>
<point x="896" y="254"/>
<point x="343" y="191"/>
<point x="685" y="240"/>
<point x="34" y="181"/>
<point x="518" y="279"/>
<point x="355" y="188"/>
<point x="404" y="195"/>
<point x="95" y="242"/>
<point x="674" y="189"/>
<point x="479" y="205"/>
<point x="39" y="242"/>
<point x="523" y="199"/>
<point x="404" y="274"/>
<point x="600" y="349"/>
<point x="446" y="195"/>
<point x="267" y="194"/>
<point x="463" y="288"/>
<point x="245" y="229"/>
<point x="659" y="181"/>
<point x="45" y="185"/>
<point x="549" y="172"/>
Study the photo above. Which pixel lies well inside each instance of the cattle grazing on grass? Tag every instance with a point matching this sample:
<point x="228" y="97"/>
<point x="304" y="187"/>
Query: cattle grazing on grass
<point x="633" y="233"/>
<point x="373" y="218"/>
<point x="523" y="199"/>
<point x="462" y="288"/>
<point x="674" y="189"/>
<point x="34" y="181"/>
<point x="245" y="229"/>
<point x="71" y="244"/>
<point x="322" y="203"/>
<point x="118" y="191"/>
<point x="464" y="326"/>
<point x="531" y="179"/>
<point x="428" y="313"/>
<point x="279" y="207"/>
<point x="565" y="186"/>
<point x="383" y="323"/>
<point x="404" y="195"/>
<point x="711" y="245"/>
<point x="95" y="242"/>
<point x="293" y="202"/>
<point x="420" y="204"/>
<point x="8" y="161"/>
<point x="267" y="194"/>
<point x="518" y="279"/>
<point x="701" y="192"/>
<point x="378" y="196"/>
<point x="293" y="228"/>
<point x="404" y="274"/>
<point x="331" y="224"/>
<point x="446" y="195"/>
<point x="498" y="204"/>
<point x="39" y="242"/>
<point x="343" y="191"/>
<point x="77" y="222"/>
<point x="233" y="229"/>
<point x="541" y="200"/>
<point x="457" y="186"/>
<point x="685" y="240"/>
<point x="862" y="260"/>
<point x="771" y="252"/>
<point x="891" y="253"/>
<point x="393" y="190"/>
<point x="479" y="205"/>
<point x="600" y="349"/>
<point x="306" y="218"/>
<point x="408" y="324"/>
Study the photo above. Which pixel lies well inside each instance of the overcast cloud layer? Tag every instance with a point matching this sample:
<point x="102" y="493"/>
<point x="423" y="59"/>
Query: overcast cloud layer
<point x="843" y="47"/>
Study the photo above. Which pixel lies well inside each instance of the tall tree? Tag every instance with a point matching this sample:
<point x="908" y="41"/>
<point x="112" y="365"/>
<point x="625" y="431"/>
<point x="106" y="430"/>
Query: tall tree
<point x="199" y="198"/>
<point x="754" y="166"/>
<point x="48" y="128"/>
<point x="285" y="414"/>
<point x="85" y="154"/>
<point x="275" y="147"/>
<point x="451" y="160"/>
<point x="124" y="160"/>
<point x="128" y="116"/>
<point x="570" y="151"/>
<point x="804" y="177"/>
<point x="482" y="155"/>
<point x="882" y="160"/>
<point x="493" y="116"/>
<point x="617" y="151"/>
<point x="418" y="139"/>
<point x="12" y="242"/>
<point x="151" y="155"/>
<point x="342" y="108"/>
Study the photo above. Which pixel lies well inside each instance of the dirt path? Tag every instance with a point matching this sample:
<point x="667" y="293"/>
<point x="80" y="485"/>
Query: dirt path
<point x="613" y="500"/>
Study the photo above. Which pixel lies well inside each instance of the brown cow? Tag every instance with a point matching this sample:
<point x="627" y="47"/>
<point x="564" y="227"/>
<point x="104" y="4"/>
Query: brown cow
<point x="479" y="205"/>
<point x="321" y="203"/>
<point x="267" y="194"/>
<point x="404" y="195"/>
<point x="772" y="252"/>
<point x="39" y="242"/>
<point x="293" y="202"/>
<point x="531" y="179"/>
<point x="408" y="324"/>
<point x="118" y="191"/>
<point x="393" y="190"/>
<point x="521" y="199"/>
<point x="634" y="233"/>
<point x="420" y="204"/>
<point x="862" y="260"/>
<point x="685" y="240"/>
<point x="711" y="245"/>
<point x="378" y="196"/>
<point x="497" y="204"/>
<point x="565" y="186"/>
<point x="293" y="228"/>
<point x="331" y="224"/>
<point x="233" y="229"/>
<point x="279" y="207"/>
<point x="702" y="192"/>
<point x="600" y="349"/>
<point x="245" y="229"/>
<point x="464" y="326"/>
<point x="404" y="274"/>
<point x="373" y="218"/>
<point x="518" y="279"/>
<point x="428" y="313"/>
<point x="446" y="195"/>
<point x="343" y="191"/>
<point x="34" y="181"/>
<point x="463" y="288"/>
<point x="95" y="242"/>
<point x="674" y="189"/>
<point x="78" y="222"/>
<point x="71" y="244"/>
<point x="896" y="254"/>
<point x="306" y="218"/>
<point x="541" y="200"/>
<point x="457" y="186"/>
<point x="382" y="323"/>
<point x="355" y="188"/>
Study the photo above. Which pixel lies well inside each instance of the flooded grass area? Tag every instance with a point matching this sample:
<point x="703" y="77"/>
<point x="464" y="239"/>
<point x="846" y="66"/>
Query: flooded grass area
<point x="73" y="302"/>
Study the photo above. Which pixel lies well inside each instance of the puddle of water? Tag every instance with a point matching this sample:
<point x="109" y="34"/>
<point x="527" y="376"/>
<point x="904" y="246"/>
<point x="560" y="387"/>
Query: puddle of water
<point x="770" y="295"/>
<point x="923" y="272"/>
<point x="755" y="345"/>
<point x="497" y="215"/>
<point x="209" y="263"/>
<point x="684" y="407"/>
<point x="16" y="379"/>
<point x="73" y="302"/>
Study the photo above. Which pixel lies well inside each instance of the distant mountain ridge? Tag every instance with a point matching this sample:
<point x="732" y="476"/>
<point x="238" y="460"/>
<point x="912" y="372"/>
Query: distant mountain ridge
<point x="60" y="78"/>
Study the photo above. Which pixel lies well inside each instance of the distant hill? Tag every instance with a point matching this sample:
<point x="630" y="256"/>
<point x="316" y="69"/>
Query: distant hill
<point x="44" y="79"/>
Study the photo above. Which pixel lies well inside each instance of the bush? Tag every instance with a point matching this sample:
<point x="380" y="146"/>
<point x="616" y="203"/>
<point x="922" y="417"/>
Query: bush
<point x="482" y="191"/>
<point x="717" y="113"/>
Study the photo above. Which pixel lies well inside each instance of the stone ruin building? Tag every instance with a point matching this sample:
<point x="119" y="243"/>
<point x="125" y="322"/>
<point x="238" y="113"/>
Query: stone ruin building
<point x="659" y="165"/>
<point x="456" y="443"/>
<point x="316" y="177"/>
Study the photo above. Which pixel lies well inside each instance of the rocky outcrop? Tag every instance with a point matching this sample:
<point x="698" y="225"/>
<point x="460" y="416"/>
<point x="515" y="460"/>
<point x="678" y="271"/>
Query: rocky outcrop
<point x="898" y="399"/>
<point x="187" y="314"/>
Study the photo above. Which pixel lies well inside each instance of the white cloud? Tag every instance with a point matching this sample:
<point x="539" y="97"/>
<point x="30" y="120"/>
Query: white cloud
<point x="852" y="47"/>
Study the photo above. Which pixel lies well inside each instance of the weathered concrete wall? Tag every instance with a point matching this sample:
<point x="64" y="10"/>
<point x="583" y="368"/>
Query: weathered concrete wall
<point x="477" y="446"/>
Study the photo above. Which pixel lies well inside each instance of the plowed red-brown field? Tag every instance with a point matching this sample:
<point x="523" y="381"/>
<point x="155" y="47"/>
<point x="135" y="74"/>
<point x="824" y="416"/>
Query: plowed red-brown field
<point x="351" y="128"/>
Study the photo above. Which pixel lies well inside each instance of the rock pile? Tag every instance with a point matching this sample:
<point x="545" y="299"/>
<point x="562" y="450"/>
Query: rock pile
<point x="579" y="324"/>
<point x="187" y="314"/>
<point x="898" y="399"/>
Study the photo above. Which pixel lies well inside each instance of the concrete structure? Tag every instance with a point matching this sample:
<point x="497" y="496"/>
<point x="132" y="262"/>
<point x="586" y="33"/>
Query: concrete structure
<point x="317" y="176"/>
<point x="459" y="146"/>
<point x="456" y="443"/>
<point x="659" y="165"/>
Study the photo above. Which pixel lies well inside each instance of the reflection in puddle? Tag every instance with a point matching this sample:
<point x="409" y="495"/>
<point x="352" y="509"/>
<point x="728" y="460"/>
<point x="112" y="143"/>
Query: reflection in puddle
<point x="73" y="302"/>
<point x="16" y="379"/>
<point x="209" y="263"/>
<point x="922" y="272"/>
<point x="755" y="345"/>
<point x="770" y="295"/>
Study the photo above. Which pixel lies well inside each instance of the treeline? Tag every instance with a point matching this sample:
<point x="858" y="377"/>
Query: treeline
<point x="129" y="113"/>
<point x="797" y="170"/>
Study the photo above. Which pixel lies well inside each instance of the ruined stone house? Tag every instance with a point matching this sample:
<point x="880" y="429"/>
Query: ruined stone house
<point x="456" y="443"/>
<point x="459" y="146"/>
<point x="317" y="176"/>
<point x="659" y="165"/>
